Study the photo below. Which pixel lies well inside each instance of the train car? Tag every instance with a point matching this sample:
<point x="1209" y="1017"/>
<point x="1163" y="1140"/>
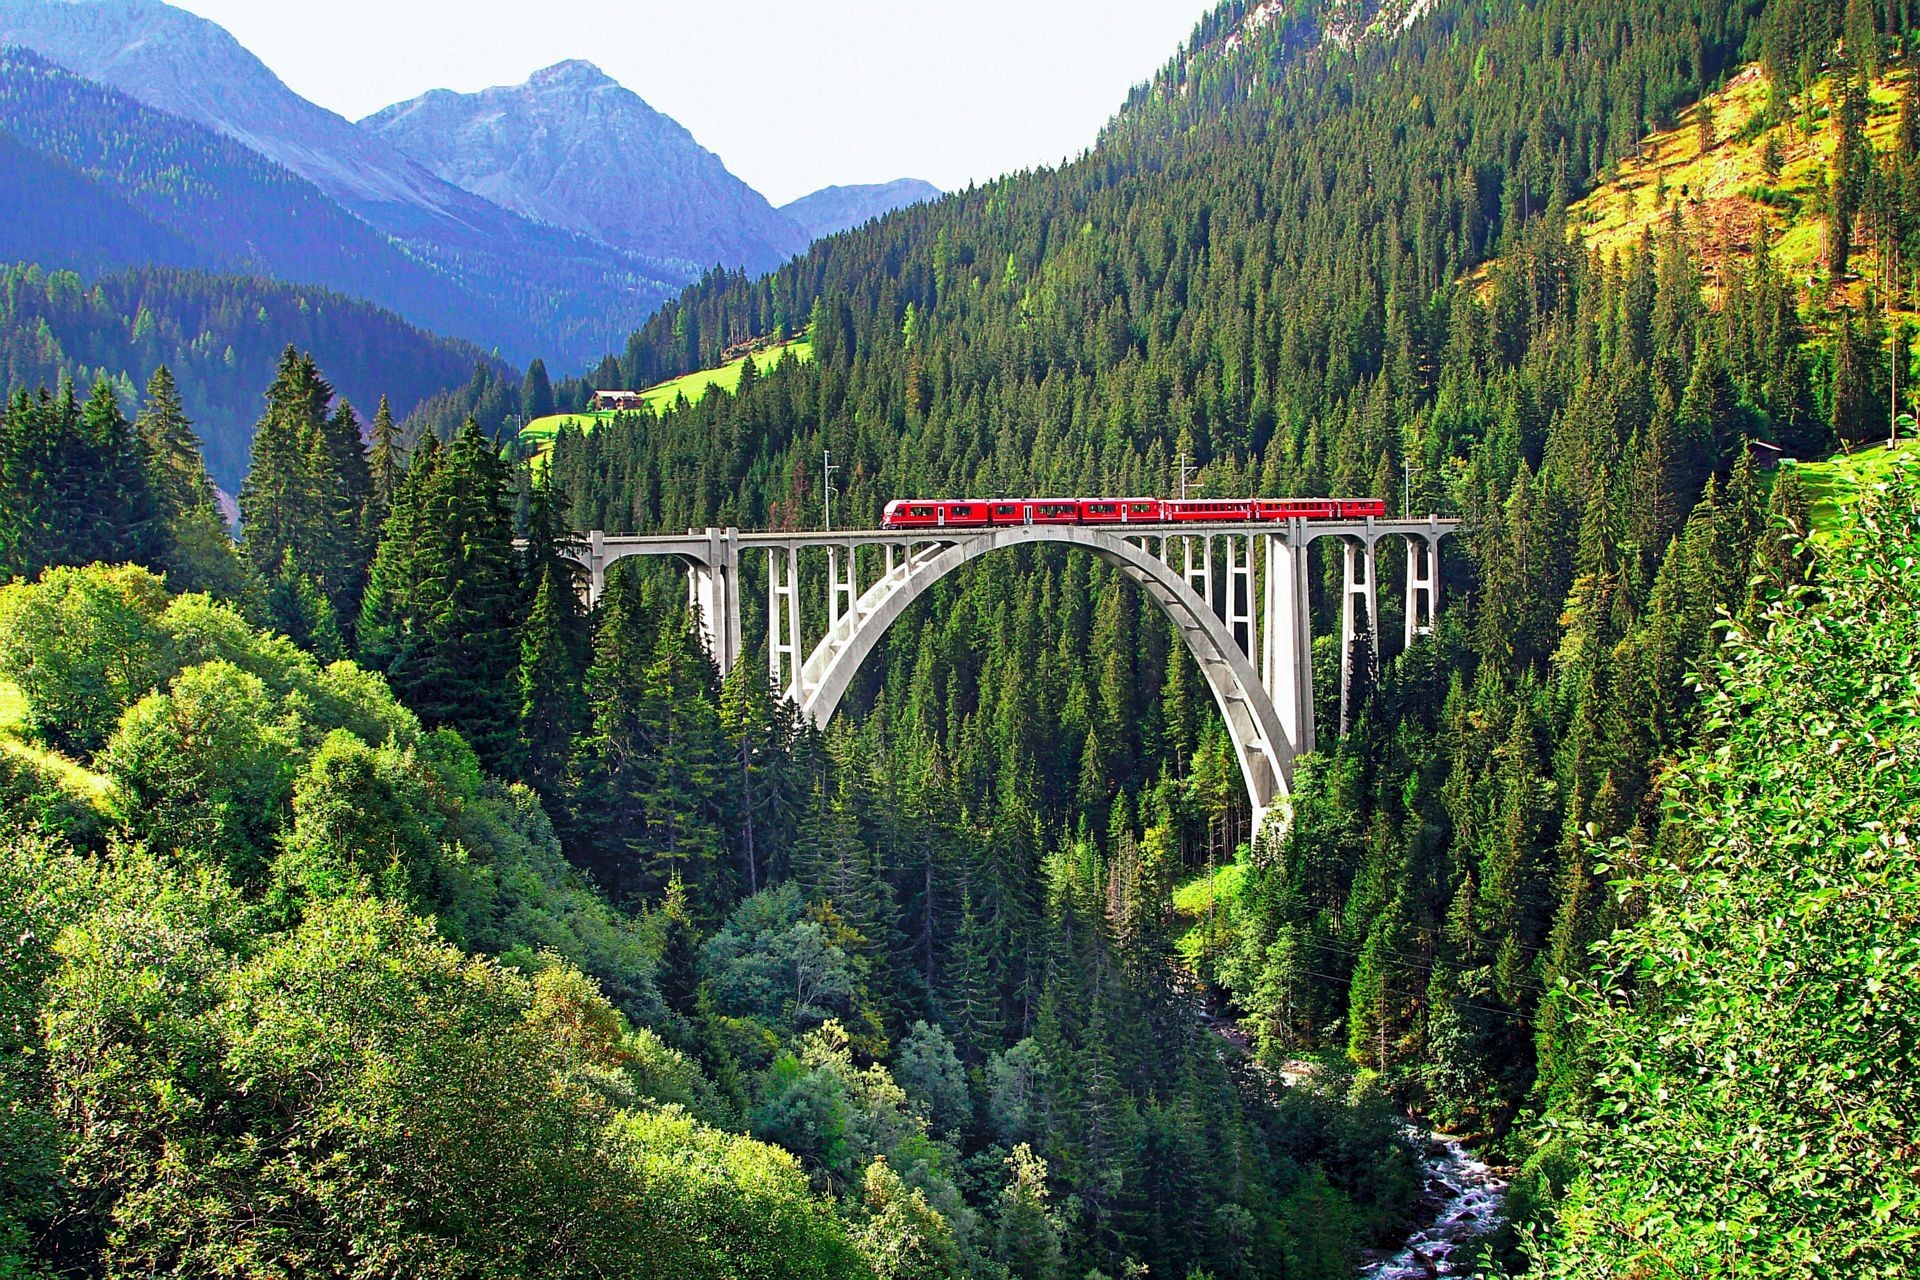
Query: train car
<point x="936" y="513"/>
<point x="1359" y="508"/>
<point x="1121" y="511"/>
<point x="1012" y="511"/>
<point x="1207" y="510"/>
<point x="1288" y="508"/>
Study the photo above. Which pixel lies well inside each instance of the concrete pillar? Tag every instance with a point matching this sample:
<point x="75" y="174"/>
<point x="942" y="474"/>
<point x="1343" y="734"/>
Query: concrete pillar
<point x="596" y="567"/>
<point x="713" y="594"/>
<point x="1286" y="633"/>
<point x="783" y="619"/>
<point x="1199" y="573"/>
<point x="1239" y="617"/>
<point x="1423" y="586"/>
<point x="1359" y="642"/>
<point x="843" y="592"/>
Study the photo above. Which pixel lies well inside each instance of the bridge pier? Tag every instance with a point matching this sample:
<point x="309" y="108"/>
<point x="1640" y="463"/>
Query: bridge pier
<point x="783" y="618"/>
<point x="1359" y="642"/>
<point x="1286" y="656"/>
<point x="1423" y="585"/>
<point x="713" y="595"/>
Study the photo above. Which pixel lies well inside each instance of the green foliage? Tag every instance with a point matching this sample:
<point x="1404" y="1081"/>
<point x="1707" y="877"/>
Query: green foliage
<point x="1752" y="1029"/>
<point x="903" y="1237"/>
<point x="234" y="745"/>
<point x="929" y="1071"/>
<point x="773" y="963"/>
<point x="82" y="645"/>
<point x="207" y="767"/>
<point x="372" y="1075"/>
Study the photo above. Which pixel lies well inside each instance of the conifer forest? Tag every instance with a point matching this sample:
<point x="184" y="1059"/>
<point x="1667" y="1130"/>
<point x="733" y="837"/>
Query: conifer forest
<point x="375" y="903"/>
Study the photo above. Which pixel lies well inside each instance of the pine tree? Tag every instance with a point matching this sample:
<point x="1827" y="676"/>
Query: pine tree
<point x="678" y="974"/>
<point x="299" y="609"/>
<point x="120" y="504"/>
<point x="766" y="790"/>
<point x="1852" y="406"/>
<point x="1907" y="139"/>
<point x="443" y="601"/>
<point x="1852" y="166"/>
<point x="536" y="393"/>
<point x="386" y="464"/>
<point x="552" y="709"/>
<point x="170" y="450"/>
<point x="1772" y="160"/>
<point x="308" y="487"/>
<point x="647" y="771"/>
<point x="197" y="552"/>
<point x="609" y="788"/>
<point x="388" y="629"/>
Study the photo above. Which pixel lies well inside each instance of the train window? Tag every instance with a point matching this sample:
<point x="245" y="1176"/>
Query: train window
<point x="960" y="511"/>
<point x="1004" y="509"/>
<point x="1100" y="508"/>
<point x="1140" y="508"/>
<point x="1056" y="509"/>
<point x="924" y="513"/>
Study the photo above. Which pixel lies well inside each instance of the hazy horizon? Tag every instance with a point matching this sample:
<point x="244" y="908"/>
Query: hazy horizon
<point x="951" y="93"/>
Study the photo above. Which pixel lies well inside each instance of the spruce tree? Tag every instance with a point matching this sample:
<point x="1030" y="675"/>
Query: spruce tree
<point x="170" y="449"/>
<point x="552" y="708"/>
<point x="197" y="551"/>
<point x="1853" y="409"/>
<point x="465" y="601"/>
<point x="388" y="630"/>
<point x="386" y="463"/>
<point x="608" y="804"/>
<point x="106" y="508"/>
<point x="678" y="975"/>
<point x="307" y="488"/>
<point x="536" y="393"/>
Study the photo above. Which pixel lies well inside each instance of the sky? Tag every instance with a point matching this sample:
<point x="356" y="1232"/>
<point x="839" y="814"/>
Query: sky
<point x="792" y="96"/>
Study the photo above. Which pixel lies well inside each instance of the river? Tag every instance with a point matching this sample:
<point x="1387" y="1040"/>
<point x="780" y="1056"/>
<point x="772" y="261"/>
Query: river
<point x="1469" y="1196"/>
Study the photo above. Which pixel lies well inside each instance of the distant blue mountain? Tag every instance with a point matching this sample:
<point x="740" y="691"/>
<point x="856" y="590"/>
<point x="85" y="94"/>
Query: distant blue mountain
<point x="574" y="148"/>
<point x="835" y="209"/>
<point x="523" y="285"/>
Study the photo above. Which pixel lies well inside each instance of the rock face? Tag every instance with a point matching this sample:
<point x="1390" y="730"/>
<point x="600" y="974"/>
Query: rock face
<point x="834" y="209"/>
<point x="574" y="148"/>
<point x="567" y="292"/>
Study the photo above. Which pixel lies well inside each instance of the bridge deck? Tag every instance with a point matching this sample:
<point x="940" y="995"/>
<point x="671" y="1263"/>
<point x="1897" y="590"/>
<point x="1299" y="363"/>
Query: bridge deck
<point x="695" y="540"/>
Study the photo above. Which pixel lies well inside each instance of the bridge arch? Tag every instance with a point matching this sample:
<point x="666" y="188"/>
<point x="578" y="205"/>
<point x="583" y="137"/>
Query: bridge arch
<point x="1264" y="750"/>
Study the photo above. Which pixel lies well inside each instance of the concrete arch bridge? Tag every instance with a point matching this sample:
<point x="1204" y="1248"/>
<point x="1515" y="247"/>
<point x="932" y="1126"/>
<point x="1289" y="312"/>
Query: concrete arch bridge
<point x="1256" y="655"/>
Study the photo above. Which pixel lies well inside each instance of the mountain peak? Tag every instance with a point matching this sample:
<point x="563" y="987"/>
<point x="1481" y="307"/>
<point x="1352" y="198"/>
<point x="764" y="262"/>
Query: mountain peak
<point x="574" y="73"/>
<point x="541" y="148"/>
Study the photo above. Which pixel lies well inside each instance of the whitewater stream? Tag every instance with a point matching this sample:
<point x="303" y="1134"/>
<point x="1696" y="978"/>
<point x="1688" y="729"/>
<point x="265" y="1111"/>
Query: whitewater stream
<point x="1469" y="1196"/>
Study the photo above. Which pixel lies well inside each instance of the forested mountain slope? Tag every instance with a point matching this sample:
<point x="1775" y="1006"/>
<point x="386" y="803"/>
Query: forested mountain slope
<point x="222" y="336"/>
<point x="74" y="220"/>
<point x="219" y="204"/>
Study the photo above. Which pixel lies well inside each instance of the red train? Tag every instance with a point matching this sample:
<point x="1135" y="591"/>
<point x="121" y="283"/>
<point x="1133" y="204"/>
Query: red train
<point x="971" y="513"/>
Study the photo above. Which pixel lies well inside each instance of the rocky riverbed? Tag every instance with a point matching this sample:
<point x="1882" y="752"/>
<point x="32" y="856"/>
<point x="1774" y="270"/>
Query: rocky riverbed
<point x="1466" y="1198"/>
